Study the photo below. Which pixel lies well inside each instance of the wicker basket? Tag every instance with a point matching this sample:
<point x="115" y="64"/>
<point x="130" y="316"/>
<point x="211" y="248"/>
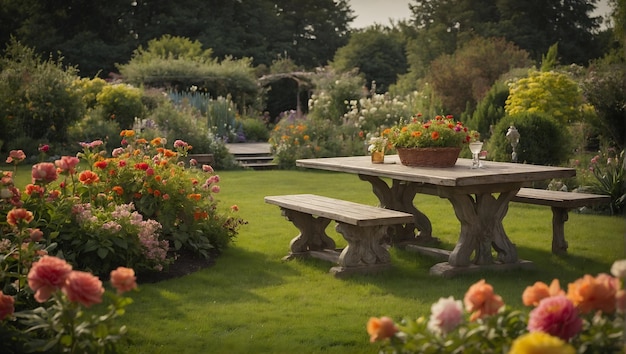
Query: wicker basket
<point x="429" y="157"/>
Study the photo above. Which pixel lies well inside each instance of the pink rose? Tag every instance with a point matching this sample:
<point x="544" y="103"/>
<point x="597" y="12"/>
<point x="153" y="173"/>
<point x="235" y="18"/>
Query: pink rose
<point x="47" y="275"/>
<point x="446" y="314"/>
<point x="7" y="306"/>
<point x="123" y="279"/>
<point x="84" y="288"/>
<point x="207" y="168"/>
<point x="16" y="156"/>
<point x="44" y="172"/>
<point x="35" y="235"/>
<point x="556" y="316"/>
<point x="67" y="164"/>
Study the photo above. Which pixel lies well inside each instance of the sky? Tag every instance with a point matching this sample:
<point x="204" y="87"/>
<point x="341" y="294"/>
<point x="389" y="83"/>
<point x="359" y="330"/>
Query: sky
<point x="369" y="12"/>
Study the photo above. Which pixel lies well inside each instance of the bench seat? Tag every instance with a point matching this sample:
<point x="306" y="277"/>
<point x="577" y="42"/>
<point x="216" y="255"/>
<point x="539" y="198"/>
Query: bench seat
<point x="560" y="203"/>
<point x="362" y="226"/>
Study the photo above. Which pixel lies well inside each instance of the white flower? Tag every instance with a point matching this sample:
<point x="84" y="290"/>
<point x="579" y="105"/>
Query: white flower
<point x="618" y="269"/>
<point x="445" y="315"/>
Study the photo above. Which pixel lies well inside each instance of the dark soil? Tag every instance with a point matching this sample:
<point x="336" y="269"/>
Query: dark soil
<point x="185" y="264"/>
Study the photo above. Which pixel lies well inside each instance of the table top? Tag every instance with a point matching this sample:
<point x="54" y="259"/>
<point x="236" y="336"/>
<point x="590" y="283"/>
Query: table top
<point x="459" y="175"/>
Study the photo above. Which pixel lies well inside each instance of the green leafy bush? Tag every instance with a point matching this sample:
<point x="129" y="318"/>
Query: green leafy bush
<point x="121" y="103"/>
<point x="489" y="110"/>
<point x="37" y="97"/>
<point x="543" y="140"/>
<point x="254" y="129"/>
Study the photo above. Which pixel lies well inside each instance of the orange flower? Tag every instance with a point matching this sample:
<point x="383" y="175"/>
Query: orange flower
<point x="194" y="196"/>
<point x="200" y="215"/>
<point x="141" y="141"/>
<point x="416" y="134"/>
<point x="88" y="177"/>
<point x="590" y="294"/>
<point x="123" y="279"/>
<point x="156" y="142"/>
<point x="434" y="135"/>
<point x="33" y="189"/>
<point x="540" y="290"/>
<point x="127" y="133"/>
<point x="169" y="153"/>
<point x="18" y="215"/>
<point x="84" y="288"/>
<point x="380" y="328"/>
<point x="157" y="193"/>
<point x="481" y="300"/>
<point x="118" y="189"/>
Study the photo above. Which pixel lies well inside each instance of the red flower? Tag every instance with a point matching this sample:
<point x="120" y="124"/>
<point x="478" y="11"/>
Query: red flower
<point x="102" y="164"/>
<point x="141" y="166"/>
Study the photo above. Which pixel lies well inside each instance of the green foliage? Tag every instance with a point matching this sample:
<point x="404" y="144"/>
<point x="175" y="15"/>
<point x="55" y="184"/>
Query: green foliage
<point x="88" y="89"/>
<point x="172" y="47"/>
<point x="543" y="141"/>
<point x="179" y="63"/>
<point x="609" y="170"/>
<point x="221" y="118"/>
<point x="93" y="127"/>
<point x="550" y="60"/>
<point x="121" y="103"/>
<point x="489" y="110"/>
<point x="254" y="129"/>
<point x="377" y="53"/>
<point x="185" y="123"/>
<point x="296" y="138"/>
<point x="604" y="87"/>
<point x="334" y="91"/>
<point x="37" y="99"/>
<point x="552" y="93"/>
<point x="463" y="78"/>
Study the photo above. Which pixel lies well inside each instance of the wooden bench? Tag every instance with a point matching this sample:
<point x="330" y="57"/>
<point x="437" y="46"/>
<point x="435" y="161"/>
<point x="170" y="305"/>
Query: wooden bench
<point x="362" y="226"/>
<point x="561" y="203"/>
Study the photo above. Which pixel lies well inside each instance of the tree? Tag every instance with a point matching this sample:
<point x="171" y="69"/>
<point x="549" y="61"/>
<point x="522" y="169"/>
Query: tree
<point x="377" y="52"/>
<point x="463" y="78"/>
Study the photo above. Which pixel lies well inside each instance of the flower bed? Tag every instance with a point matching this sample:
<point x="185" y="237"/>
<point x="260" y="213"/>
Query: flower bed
<point x="588" y="318"/>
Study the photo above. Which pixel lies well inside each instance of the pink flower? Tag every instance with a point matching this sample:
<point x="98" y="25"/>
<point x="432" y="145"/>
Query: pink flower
<point x="16" y="156"/>
<point x="7" y="306"/>
<point x="556" y="316"/>
<point x="207" y="168"/>
<point x="84" y="288"/>
<point x="445" y="315"/>
<point x="193" y="162"/>
<point x="123" y="279"/>
<point x="67" y="164"/>
<point x="44" y="148"/>
<point x="44" y="172"/>
<point x="180" y="144"/>
<point x="215" y="189"/>
<point x="47" y="275"/>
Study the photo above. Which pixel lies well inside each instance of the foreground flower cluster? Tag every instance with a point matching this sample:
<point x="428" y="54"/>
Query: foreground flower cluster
<point x="61" y="324"/>
<point x="438" y="132"/>
<point x="587" y="318"/>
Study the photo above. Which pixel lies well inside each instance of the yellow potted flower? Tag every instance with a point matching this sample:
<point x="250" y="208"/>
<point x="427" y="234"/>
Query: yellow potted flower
<point x="432" y="143"/>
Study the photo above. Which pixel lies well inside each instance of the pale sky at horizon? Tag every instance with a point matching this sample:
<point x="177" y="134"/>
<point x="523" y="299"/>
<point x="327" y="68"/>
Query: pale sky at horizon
<point x="369" y="12"/>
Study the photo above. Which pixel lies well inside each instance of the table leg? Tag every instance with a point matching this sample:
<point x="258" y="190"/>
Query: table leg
<point x="400" y="197"/>
<point x="312" y="235"/>
<point x="481" y="229"/>
<point x="363" y="245"/>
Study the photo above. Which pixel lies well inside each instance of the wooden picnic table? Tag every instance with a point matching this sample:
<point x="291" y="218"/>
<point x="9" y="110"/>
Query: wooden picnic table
<point x="480" y="198"/>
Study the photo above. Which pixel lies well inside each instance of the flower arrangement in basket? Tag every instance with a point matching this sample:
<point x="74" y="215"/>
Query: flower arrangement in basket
<point x="433" y="143"/>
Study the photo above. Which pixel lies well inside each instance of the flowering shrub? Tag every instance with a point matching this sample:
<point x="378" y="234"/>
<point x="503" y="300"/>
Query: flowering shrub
<point x="438" y="132"/>
<point x="65" y="322"/>
<point x="588" y="318"/>
<point x="609" y="170"/>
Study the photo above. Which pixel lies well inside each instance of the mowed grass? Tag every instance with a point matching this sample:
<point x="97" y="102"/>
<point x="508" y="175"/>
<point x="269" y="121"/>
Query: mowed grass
<point x="251" y="301"/>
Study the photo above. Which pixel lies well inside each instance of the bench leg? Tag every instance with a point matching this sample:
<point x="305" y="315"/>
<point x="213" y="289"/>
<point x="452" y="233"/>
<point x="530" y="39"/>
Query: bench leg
<point x="559" y="217"/>
<point x="364" y="252"/>
<point x="312" y="235"/>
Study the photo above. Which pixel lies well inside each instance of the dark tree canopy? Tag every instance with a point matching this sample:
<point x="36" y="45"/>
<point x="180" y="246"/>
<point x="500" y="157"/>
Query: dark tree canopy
<point x="95" y="35"/>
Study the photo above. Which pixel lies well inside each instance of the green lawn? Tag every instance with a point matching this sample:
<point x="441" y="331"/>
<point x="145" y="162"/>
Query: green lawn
<point x="253" y="302"/>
